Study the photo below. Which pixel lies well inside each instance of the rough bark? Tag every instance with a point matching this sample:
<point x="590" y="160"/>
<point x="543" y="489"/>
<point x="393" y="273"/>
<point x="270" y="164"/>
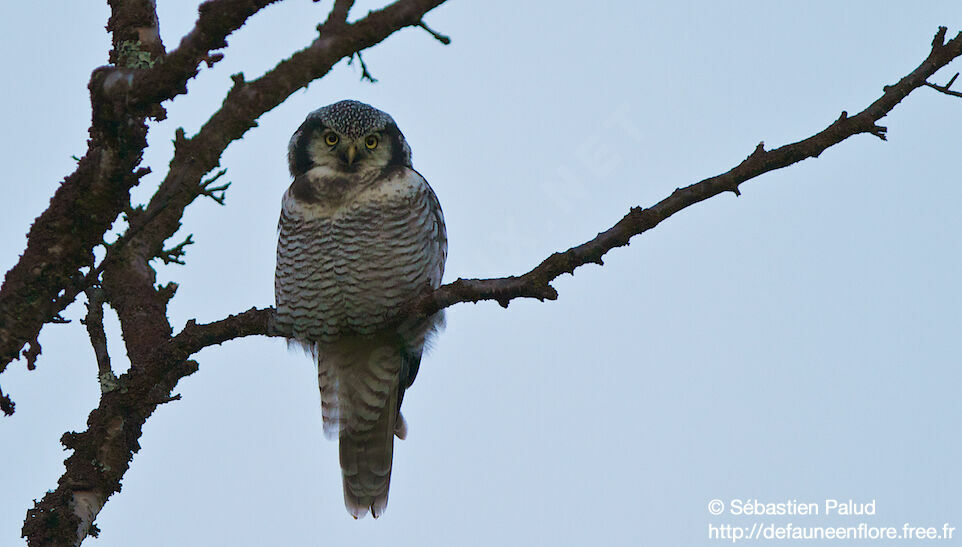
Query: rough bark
<point x="48" y="275"/>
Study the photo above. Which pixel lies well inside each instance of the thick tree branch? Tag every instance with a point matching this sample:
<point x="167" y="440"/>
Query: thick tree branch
<point x="338" y="15"/>
<point x="61" y="240"/>
<point x="217" y="20"/>
<point x="102" y="454"/>
<point x="197" y="336"/>
<point x="135" y="33"/>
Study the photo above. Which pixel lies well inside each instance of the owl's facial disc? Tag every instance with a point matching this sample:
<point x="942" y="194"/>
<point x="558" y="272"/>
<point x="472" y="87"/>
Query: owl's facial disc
<point x="324" y="138"/>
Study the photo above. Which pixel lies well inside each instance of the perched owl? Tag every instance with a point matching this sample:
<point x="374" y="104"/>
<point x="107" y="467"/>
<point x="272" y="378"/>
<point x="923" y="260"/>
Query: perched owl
<point x="360" y="235"/>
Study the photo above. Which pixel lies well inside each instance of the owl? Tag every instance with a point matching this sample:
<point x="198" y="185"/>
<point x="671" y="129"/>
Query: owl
<point x="360" y="235"/>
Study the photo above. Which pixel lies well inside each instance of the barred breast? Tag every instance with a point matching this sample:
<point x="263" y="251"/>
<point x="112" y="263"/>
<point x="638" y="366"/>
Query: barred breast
<point x="348" y="269"/>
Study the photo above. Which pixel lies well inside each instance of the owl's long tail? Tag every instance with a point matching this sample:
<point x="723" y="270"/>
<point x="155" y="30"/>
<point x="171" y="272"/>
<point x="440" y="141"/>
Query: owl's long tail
<point x="366" y="458"/>
<point x="359" y="380"/>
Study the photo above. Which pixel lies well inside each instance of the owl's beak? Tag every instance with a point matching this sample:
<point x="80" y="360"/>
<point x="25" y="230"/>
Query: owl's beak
<point x="349" y="154"/>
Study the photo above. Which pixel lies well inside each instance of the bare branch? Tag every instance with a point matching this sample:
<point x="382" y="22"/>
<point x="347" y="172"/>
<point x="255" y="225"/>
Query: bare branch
<point x="365" y="73"/>
<point x="945" y="88"/>
<point x="94" y="322"/>
<point x="135" y="33"/>
<point x="536" y="283"/>
<point x="217" y="19"/>
<point x="195" y="336"/>
<point x="7" y="405"/>
<point x="33" y="349"/>
<point x="102" y="454"/>
<point x="175" y="255"/>
<point x="216" y="193"/>
<point x="60" y="241"/>
<point x="446" y="40"/>
<point x="338" y="15"/>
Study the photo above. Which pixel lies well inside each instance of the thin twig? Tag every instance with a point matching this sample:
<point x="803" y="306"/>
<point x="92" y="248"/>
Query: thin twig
<point x="365" y="74"/>
<point x="444" y="39"/>
<point x="945" y="88"/>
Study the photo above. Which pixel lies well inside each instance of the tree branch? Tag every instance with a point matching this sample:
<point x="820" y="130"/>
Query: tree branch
<point x="536" y="283"/>
<point x="135" y="33"/>
<point x="61" y="240"/>
<point x="102" y="453"/>
<point x="444" y="39"/>
<point x="94" y="321"/>
<point x="338" y="15"/>
<point x="945" y="88"/>
<point x="197" y="336"/>
<point x="217" y="20"/>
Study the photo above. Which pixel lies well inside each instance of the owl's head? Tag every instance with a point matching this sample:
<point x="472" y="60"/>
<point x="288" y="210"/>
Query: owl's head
<point x="349" y="137"/>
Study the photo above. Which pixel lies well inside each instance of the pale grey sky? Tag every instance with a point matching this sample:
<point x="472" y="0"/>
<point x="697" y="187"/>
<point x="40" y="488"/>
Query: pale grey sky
<point x="799" y="342"/>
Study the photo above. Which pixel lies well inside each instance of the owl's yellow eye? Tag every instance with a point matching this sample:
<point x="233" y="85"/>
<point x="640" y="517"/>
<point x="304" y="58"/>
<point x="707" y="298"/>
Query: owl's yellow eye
<point x="330" y="139"/>
<point x="370" y="142"/>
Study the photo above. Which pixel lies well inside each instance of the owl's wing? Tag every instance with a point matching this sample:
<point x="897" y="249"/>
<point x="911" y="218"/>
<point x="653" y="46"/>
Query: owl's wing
<point x="435" y="248"/>
<point x="435" y="232"/>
